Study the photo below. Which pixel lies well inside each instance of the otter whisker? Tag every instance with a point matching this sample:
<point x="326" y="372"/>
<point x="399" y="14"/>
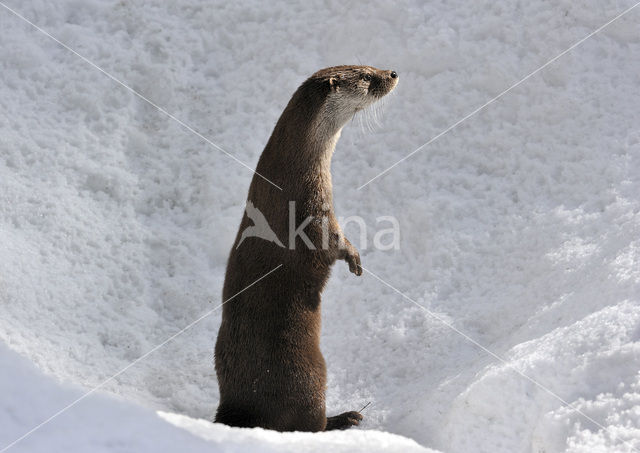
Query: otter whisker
<point x="377" y="113"/>
<point x="360" y="123"/>
<point x="370" y="120"/>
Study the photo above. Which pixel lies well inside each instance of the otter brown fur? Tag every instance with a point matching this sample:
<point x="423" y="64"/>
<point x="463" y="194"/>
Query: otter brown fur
<point x="270" y="370"/>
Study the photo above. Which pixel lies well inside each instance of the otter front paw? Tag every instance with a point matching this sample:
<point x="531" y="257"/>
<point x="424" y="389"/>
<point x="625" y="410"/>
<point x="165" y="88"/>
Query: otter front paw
<point x="353" y="259"/>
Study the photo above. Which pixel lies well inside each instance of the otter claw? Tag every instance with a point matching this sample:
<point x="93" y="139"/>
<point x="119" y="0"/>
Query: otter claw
<point x="355" y="265"/>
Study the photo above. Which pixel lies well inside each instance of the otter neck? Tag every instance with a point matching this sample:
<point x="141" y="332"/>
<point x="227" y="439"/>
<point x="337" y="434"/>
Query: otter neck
<point x="320" y="145"/>
<point x="313" y="139"/>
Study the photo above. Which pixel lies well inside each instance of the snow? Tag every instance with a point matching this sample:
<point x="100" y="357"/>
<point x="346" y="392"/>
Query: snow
<point x="100" y="423"/>
<point x="519" y="227"/>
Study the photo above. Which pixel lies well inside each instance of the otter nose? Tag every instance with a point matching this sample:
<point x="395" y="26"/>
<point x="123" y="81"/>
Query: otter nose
<point x="394" y="75"/>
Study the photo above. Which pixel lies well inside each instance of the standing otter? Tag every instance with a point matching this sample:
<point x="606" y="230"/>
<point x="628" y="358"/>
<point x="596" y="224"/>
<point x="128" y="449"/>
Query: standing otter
<point x="270" y="370"/>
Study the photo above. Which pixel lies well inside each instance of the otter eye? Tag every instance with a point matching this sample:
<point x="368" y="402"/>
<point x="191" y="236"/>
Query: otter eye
<point x="367" y="77"/>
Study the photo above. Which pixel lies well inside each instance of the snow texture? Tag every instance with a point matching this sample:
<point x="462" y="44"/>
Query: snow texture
<point x="520" y="227"/>
<point x="99" y="423"/>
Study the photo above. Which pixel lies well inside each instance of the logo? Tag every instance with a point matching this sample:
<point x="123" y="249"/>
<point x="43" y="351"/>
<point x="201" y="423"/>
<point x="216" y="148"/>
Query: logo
<point x="260" y="228"/>
<point x="383" y="239"/>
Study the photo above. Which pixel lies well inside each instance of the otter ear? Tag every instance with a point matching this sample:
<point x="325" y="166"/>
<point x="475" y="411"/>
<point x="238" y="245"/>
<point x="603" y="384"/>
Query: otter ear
<point x="333" y="83"/>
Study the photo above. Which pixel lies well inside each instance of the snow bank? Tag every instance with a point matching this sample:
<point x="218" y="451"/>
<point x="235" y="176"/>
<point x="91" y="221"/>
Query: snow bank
<point x="520" y="227"/>
<point x="99" y="423"/>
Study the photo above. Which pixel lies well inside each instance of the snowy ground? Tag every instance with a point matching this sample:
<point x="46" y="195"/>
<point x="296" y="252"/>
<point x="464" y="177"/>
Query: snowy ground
<point x="520" y="227"/>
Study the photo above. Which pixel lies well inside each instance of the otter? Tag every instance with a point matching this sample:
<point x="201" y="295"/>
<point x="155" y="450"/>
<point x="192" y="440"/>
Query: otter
<point x="270" y="370"/>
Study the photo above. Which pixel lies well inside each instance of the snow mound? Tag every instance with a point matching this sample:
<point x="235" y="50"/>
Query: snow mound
<point x="102" y="423"/>
<point x="239" y="439"/>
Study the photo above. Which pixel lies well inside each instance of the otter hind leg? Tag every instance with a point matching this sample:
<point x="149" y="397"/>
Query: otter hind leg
<point x="343" y="421"/>
<point x="234" y="416"/>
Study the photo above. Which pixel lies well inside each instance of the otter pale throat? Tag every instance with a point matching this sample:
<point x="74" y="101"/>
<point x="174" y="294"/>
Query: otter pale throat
<point x="270" y="370"/>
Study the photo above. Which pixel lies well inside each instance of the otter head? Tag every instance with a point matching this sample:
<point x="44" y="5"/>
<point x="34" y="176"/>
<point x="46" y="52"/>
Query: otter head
<point x="349" y="89"/>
